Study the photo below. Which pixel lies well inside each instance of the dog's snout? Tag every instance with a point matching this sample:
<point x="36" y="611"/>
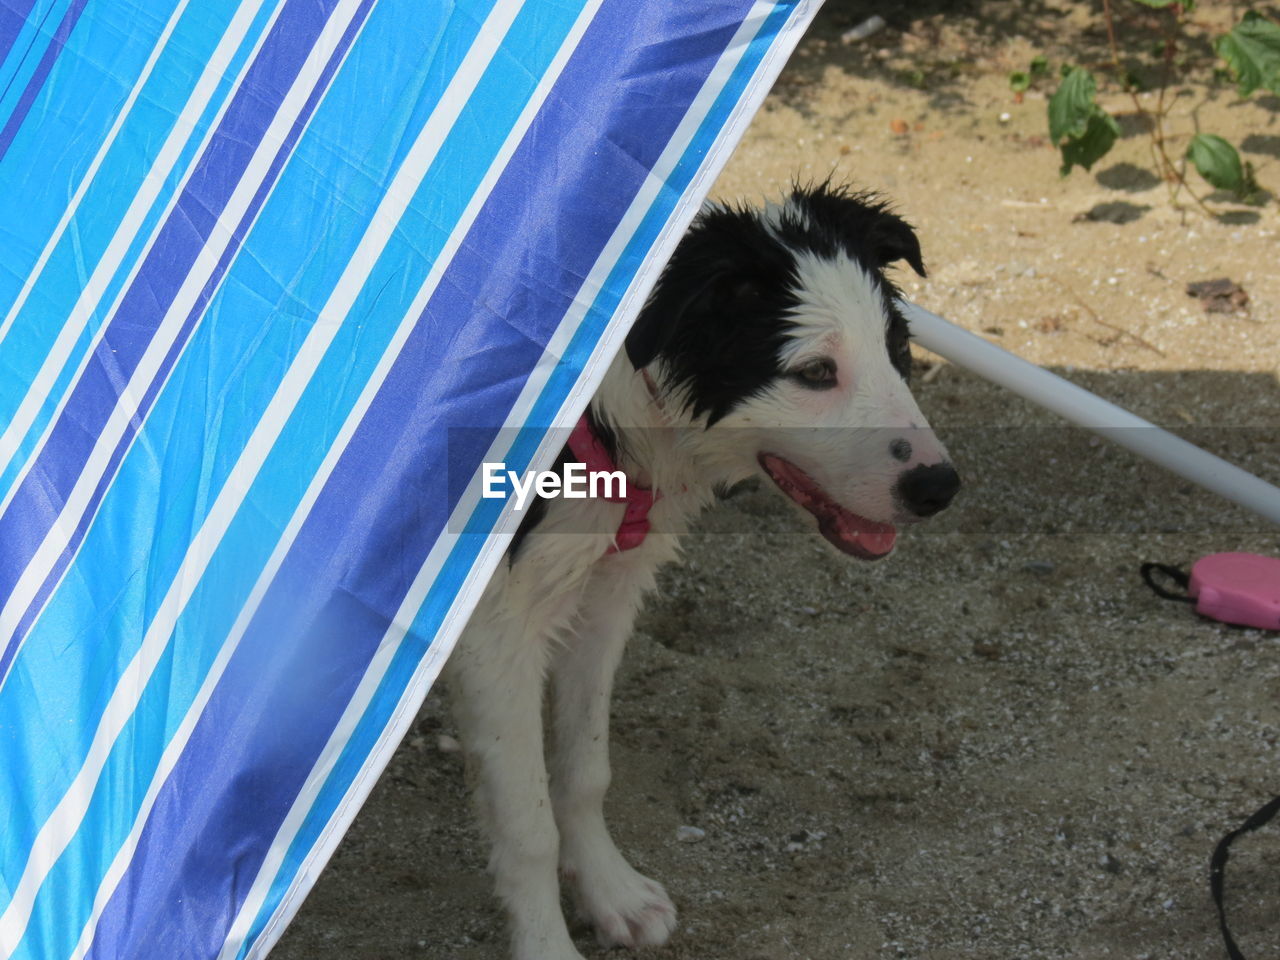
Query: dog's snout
<point x="927" y="489"/>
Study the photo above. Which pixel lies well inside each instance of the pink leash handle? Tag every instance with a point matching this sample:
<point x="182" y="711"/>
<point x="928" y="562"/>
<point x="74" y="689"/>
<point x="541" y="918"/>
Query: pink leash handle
<point x="1236" y="588"/>
<point x="1240" y="588"/>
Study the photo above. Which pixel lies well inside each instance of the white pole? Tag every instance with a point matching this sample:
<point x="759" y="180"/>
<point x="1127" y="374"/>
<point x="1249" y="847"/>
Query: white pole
<point x="1089" y="410"/>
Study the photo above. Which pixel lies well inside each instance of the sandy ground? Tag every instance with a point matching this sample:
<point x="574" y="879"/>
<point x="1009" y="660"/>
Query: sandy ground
<point x="998" y="744"/>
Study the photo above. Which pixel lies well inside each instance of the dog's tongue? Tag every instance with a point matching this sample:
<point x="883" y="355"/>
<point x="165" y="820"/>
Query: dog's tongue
<point x="858" y="535"/>
<point x="846" y="530"/>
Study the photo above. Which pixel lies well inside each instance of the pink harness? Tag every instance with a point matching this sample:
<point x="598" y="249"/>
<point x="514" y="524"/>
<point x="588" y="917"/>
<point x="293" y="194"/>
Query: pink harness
<point x="587" y="448"/>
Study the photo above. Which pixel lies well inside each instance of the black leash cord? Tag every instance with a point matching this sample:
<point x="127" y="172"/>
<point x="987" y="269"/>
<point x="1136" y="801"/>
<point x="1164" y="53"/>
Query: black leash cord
<point x="1173" y="573"/>
<point x="1218" y="865"/>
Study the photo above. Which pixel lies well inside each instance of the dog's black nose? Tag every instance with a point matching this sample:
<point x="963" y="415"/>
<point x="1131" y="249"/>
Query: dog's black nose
<point x="924" y="490"/>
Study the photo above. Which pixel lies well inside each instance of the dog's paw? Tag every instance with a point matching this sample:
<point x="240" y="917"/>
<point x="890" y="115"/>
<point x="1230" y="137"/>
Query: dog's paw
<point x="626" y="907"/>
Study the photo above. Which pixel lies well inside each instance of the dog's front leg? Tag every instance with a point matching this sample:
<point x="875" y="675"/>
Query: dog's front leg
<point x="497" y="676"/>
<point x="627" y="908"/>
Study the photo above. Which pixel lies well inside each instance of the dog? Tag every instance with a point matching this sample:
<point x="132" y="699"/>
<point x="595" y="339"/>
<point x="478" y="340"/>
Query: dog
<point x="770" y="346"/>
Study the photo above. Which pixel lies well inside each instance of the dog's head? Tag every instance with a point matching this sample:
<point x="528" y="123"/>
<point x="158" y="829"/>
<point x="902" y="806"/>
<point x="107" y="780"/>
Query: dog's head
<point x="781" y="324"/>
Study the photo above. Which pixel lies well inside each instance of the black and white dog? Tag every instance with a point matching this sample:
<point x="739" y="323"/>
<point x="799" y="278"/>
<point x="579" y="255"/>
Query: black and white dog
<point x="771" y="345"/>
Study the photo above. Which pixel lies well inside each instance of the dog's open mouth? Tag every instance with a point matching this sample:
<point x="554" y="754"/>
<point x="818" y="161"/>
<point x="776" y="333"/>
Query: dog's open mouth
<point x="846" y="530"/>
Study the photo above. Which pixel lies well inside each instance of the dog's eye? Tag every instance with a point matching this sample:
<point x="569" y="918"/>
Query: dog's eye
<point x="817" y="374"/>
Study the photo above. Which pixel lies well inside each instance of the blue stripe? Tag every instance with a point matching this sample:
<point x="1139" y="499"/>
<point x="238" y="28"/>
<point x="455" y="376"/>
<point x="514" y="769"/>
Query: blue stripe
<point x="23" y="50"/>
<point x="14" y="16"/>
<point x="227" y="376"/>
<point x="277" y="704"/>
<point x="39" y="498"/>
<point x="40" y="74"/>
<point x="87" y="102"/>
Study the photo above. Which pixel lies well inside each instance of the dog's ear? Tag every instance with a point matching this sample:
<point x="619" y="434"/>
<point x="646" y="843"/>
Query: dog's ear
<point x="892" y="239"/>
<point x="728" y="267"/>
<point x="648" y="335"/>
<point x="714" y="272"/>
<point x="709" y="288"/>
<point x="658" y="321"/>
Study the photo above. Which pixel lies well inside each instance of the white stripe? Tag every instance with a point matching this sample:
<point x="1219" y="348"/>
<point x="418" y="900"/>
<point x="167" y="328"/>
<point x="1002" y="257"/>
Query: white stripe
<point x="66" y="819"/>
<point x="124" y="235"/>
<point x="161" y="42"/>
<point x="123" y="414"/>
<point x="491" y="554"/>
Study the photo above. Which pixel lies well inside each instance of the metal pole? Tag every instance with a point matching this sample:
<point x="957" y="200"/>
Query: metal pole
<point x="1089" y="410"/>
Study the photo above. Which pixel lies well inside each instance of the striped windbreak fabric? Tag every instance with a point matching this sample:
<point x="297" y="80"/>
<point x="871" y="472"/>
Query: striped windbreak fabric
<point x="258" y="258"/>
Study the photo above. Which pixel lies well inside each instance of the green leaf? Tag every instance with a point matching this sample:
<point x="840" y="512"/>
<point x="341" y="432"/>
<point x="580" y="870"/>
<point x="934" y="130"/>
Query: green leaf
<point x="1071" y="105"/>
<point x="1217" y="161"/>
<point x="1252" y="51"/>
<point x="1101" y="131"/>
<point x="1081" y="129"/>
<point x="1019" y="82"/>
<point x="1039" y="65"/>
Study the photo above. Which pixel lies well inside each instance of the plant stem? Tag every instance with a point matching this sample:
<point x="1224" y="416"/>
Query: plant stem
<point x="1169" y="172"/>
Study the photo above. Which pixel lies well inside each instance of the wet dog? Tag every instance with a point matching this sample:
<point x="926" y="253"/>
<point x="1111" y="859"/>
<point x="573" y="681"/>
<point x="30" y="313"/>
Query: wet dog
<point x="770" y="346"/>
